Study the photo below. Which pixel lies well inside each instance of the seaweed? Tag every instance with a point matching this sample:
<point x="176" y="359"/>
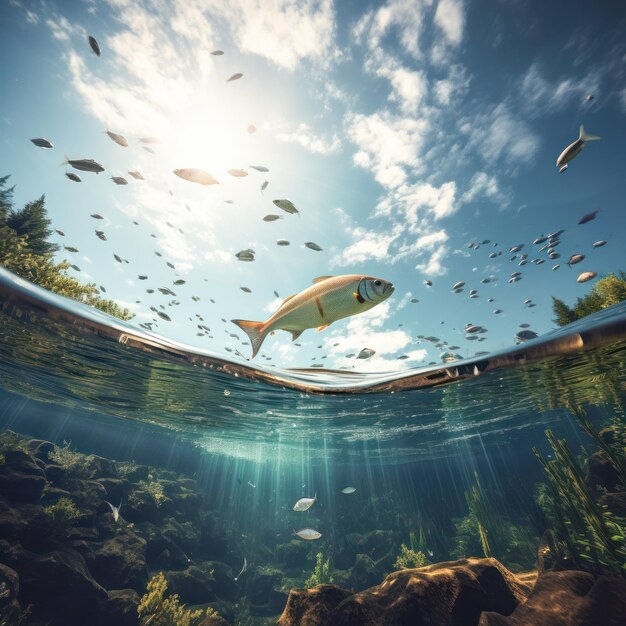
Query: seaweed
<point x="63" y="514"/>
<point x="321" y="572"/>
<point x="595" y="537"/>
<point x="479" y="508"/>
<point x="409" y="558"/>
<point x="157" y="610"/>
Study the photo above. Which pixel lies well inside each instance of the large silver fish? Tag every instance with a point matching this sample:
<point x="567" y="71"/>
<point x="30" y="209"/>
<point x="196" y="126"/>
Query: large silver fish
<point x="84" y="165"/>
<point x="329" y="299"/>
<point x="304" y="504"/>
<point x="574" y="148"/>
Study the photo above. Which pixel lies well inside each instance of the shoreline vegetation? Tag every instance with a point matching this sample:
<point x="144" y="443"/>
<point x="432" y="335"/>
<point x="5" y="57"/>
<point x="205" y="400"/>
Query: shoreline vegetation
<point x="27" y="250"/>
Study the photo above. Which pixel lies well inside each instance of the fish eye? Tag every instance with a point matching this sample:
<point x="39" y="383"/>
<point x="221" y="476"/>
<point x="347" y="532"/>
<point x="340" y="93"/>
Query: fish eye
<point x="378" y="283"/>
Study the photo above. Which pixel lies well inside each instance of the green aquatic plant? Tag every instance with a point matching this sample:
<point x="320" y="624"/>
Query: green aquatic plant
<point x="71" y="460"/>
<point x="593" y="535"/>
<point x="154" y="488"/>
<point x="479" y="509"/>
<point x="321" y="572"/>
<point x="63" y="514"/>
<point x="410" y="558"/>
<point x="156" y="609"/>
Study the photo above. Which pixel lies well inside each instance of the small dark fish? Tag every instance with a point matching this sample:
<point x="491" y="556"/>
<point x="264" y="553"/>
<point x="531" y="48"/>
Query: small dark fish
<point x="70" y="249"/>
<point x="100" y="234"/>
<point x="94" y="45"/>
<point x="264" y="185"/>
<point x="171" y="265"/>
<point x="120" y="140"/>
<point x="85" y="165"/>
<point x="526" y="335"/>
<point x="271" y="218"/>
<point x="164" y="316"/>
<point x="60" y="232"/>
<point x="142" y="277"/>
<point x="119" y="180"/>
<point x="75" y="177"/>
<point x="117" y="258"/>
<point x="313" y="246"/>
<point x="180" y="281"/>
<point x="42" y="143"/>
<point x="246" y="289"/>
<point x="588" y="217"/>
<point x="218" y="53"/>
<point x="260" y="168"/>
<point x="75" y="267"/>
<point x="102" y="289"/>
<point x="96" y="216"/>
<point x="236" y="76"/>
<point x="136" y="175"/>
<point x="599" y="244"/>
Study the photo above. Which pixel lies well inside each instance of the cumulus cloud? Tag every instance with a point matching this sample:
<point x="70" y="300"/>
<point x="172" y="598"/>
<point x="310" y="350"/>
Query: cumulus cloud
<point x="486" y="186"/>
<point x="305" y="137"/>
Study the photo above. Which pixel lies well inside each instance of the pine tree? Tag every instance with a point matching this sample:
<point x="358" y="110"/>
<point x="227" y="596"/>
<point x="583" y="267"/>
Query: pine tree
<point x="33" y="221"/>
<point x="564" y="315"/>
<point x="6" y="200"/>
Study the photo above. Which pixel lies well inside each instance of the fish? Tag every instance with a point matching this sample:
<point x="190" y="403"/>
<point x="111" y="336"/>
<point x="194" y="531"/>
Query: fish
<point x="414" y="300"/>
<point x="282" y="242"/>
<point x="516" y="248"/>
<point x="119" y="180"/>
<point x="60" y="232"/>
<point x="586" y="276"/>
<point x="164" y="316"/>
<point x="286" y="205"/>
<point x="428" y="283"/>
<point x="264" y="185"/>
<point x="329" y="299"/>
<point x="526" y="335"/>
<point x="235" y="76"/>
<point x="246" y="289"/>
<point x="218" y="53"/>
<point x="149" y="149"/>
<point x="115" y="510"/>
<point x="366" y="353"/>
<point x="575" y="258"/>
<point x="313" y="246"/>
<point x="71" y="249"/>
<point x="575" y="147"/>
<point x="555" y="267"/>
<point x="75" y="177"/>
<point x="245" y="562"/>
<point x="180" y="281"/>
<point x="588" y="217"/>
<point x="96" y="216"/>
<point x="304" y="504"/>
<point x="563" y="168"/>
<point x="117" y="257"/>
<point x="348" y="490"/>
<point x="149" y="140"/>
<point x="194" y="175"/>
<point x="237" y="173"/>
<point x="599" y="244"/>
<point x="458" y="285"/>
<point x="40" y="142"/>
<point x="260" y="168"/>
<point x="100" y="234"/>
<point x="142" y="277"/>
<point x="271" y="218"/>
<point x="120" y="140"/>
<point x="94" y="45"/>
<point x="137" y="175"/>
<point x="245" y="255"/>
<point x="308" y="534"/>
<point x="75" y="267"/>
<point x="84" y="165"/>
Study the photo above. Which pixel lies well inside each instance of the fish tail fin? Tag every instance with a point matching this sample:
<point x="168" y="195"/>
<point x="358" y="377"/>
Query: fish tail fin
<point x="585" y="137"/>
<point x="67" y="160"/>
<point x="295" y="334"/>
<point x="256" y="332"/>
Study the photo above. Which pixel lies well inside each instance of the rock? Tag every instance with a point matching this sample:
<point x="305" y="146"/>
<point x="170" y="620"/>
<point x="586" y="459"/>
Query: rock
<point x="312" y="607"/>
<point x="60" y="588"/>
<point x="447" y="594"/>
<point x="225" y="586"/>
<point x="115" y="489"/>
<point x="10" y="610"/>
<point x="39" y="448"/>
<point x="292" y="554"/>
<point x="193" y="585"/>
<point x="141" y="507"/>
<point x="376" y="544"/>
<point x="569" y="598"/>
<point x="261" y="590"/>
<point x="121" y="608"/>
<point x="21" y="479"/>
<point x="601" y="473"/>
<point x="365" y="573"/>
<point x="214" y="620"/>
<point x="55" y="473"/>
<point x="120" y="562"/>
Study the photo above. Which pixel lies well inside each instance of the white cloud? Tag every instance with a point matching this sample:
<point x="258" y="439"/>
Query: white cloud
<point x="367" y="245"/>
<point x="622" y="96"/>
<point x="304" y="136"/>
<point x="387" y="145"/>
<point x="450" y="19"/>
<point x="500" y="138"/>
<point x="487" y="186"/>
<point x="452" y="87"/>
<point x="433" y="266"/>
<point x="419" y="200"/>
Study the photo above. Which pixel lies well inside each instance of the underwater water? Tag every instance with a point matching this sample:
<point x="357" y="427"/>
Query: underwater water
<point x="304" y="292"/>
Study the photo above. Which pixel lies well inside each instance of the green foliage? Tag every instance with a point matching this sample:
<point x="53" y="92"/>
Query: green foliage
<point x="321" y="572"/>
<point x="72" y="461"/>
<point x="606" y="292"/>
<point x="409" y="557"/>
<point x="593" y="535"/>
<point x="63" y="513"/>
<point x="479" y="509"/>
<point x="158" y="610"/>
<point x="26" y="251"/>
<point x="154" y="488"/>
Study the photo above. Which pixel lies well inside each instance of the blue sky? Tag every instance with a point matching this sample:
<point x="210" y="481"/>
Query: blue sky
<point x="401" y="130"/>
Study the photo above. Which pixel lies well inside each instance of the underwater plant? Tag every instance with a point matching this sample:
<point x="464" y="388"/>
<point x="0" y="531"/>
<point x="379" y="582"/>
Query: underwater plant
<point x="154" y="488"/>
<point x="479" y="509"/>
<point x="157" y="610"/>
<point x="409" y="558"/>
<point x="63" y="513"/>
<point x="589" y="531"/>
<point x="321" y="572"/>
<point x="71" y="460"/>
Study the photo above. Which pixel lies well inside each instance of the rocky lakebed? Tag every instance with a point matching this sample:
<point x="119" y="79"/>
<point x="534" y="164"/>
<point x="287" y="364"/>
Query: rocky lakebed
<point x="65" y="560"/>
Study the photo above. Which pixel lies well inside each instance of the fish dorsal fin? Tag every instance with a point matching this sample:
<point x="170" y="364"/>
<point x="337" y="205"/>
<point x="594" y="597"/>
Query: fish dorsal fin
<point x="319" y="279"/>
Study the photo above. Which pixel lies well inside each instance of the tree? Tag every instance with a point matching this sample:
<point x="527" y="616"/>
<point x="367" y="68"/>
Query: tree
<point x="608" y="291"/>
<point x="26" y="251"/>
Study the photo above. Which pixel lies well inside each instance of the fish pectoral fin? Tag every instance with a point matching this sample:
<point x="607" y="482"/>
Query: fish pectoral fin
<point x="319" y="279"/>
<point x="295" y="334"/>
<point x="321" y="328"/>
<point x="358" y="297"/>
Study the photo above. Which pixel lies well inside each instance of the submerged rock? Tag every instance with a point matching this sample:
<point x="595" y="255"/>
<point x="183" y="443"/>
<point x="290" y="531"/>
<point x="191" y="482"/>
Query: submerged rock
<point x="10" y="609"/>
<point x="21" y="479"/>
<point x="447" y="594"/>
<point x="569" y="598"/>
<point x="121" y="607"/>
